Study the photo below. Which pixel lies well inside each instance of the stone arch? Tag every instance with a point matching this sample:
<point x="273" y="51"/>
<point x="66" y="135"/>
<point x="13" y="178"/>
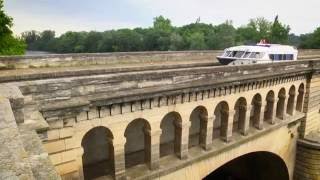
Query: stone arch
<point x="291" y="100"/>
<point x="170" y="139"/>
<point x="269" y="113"/>
<point x="98" y="156"/>
<point x="239" y="120"/>
<point x="138" y="143"/>
<point x="255" y="114"/>
<point x="281" y="104"/>
<point x="260" y="165"/>
<point x="300" y="98"/>
<point x="221" y="122"/>
<point x="198" y="127"/>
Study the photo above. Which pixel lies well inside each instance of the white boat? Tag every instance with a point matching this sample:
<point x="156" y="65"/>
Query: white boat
<point x="259" y="53"/>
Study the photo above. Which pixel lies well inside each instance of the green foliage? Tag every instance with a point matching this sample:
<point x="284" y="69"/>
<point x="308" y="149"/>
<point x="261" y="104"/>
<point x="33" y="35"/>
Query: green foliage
<point x="196" y="41"/>
<point x="254" y="31"/>
<point x="162" y="36"/>
<point x="176" y="42"/>
<point x="5" y="22"/>
<point x="162" y="24"/>
<point x="222" y="36"/>
<point x="311" y="40"/>
<point x="279" y="32"/>
<point x="9" y="45"/>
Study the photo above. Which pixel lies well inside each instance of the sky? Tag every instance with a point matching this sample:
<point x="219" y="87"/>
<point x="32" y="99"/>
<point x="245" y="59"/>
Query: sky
<point x="100" y="15"/>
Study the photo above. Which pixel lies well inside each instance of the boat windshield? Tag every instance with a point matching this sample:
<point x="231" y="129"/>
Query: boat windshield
<point x="228" y="54"/>
<point x="243" y="54"/>
<point x="238" y="54"/>
<point x="246" y="54"/>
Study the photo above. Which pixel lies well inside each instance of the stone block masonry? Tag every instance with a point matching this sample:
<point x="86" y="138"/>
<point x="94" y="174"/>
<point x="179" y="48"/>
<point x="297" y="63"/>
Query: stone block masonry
<point x="163" y="121"/>
<point x="308" y="157"/>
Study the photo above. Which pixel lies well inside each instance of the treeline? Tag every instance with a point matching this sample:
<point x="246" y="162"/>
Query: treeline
<point x="163" y="36"/>
<point x="9" y="45"/>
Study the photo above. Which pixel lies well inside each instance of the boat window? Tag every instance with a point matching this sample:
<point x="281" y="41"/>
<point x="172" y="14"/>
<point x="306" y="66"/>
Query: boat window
<point x="231" y="54"/>
<point x="276" y="57"/>
<point x="246" y="54"/>
<point x="239" y="54"/>
<point x="281" y="57"/>
<point x="225" y="54"/>
<point x="271" y="56"/>
<point x="253" y="55"/>
<point x="289" y="56"/>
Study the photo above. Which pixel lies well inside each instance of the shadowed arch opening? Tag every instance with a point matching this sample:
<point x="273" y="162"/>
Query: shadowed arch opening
<point x="281" y="103"/>
<point x="253" y="166"/>
<point x="291" y="99"/>
<point x="198" y="126"/>
<point x="268" y="116"/>
<point x="170" y="139"/>
<point x="138" y="143"/>
<point x="98" y="156"/>
<point x="300" y="98"/>
<point x="220" y="123"/>
<point x="256" y="104"/>
<point x="240" y="115"/>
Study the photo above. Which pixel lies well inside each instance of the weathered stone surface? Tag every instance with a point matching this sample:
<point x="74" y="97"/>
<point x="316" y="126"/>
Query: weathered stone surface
<point x="308" y="156"/>
<point x="40" y="163"/>
<point x="13" y="157"/>
<point x="64" y="106"/>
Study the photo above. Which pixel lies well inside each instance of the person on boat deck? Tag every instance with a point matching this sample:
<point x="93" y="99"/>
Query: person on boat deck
<point x="263" y="41"/>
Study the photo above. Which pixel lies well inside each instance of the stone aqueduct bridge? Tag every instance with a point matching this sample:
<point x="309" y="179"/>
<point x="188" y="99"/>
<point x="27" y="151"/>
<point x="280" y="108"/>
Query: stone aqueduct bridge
<point x="152" y="120"/>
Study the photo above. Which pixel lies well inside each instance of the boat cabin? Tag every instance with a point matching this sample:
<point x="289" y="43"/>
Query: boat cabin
<point x="260" y="53"/>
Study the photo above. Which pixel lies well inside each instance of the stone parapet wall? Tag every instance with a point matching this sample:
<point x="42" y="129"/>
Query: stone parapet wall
<point x="308" y="158"/>
<point x="21" y="154"/>
<point x="312" y="106"/>
<point x="122" y="58"/>
<point x="119" y="58"/>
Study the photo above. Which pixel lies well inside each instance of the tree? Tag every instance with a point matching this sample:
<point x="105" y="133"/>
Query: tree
<point x="176" y="42"/>
<point x="294" y="40"/>
<point x="222" y="36"/>
<point x="9" y="45"/>
<point x="71" y="42"/>
<point x="254" y="31"/>
<point x="279" y="32"/>
<point x="311" y="40"/>
<point x="196" y="41"/>
<point x="127" y="40"/>
<point x="91" y="42"/>
<point x="31" y="38"/>
<point x="162" y="24"/>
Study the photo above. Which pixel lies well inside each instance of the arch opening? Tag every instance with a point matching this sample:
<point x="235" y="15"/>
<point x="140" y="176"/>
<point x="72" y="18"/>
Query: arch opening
<point x="198" y="127"/>
<point x="291" y="99"/>
<point x="170" y="139"/>
<point x="98" y="156"/>
<point x="240" y="115"/>
<point x="138" y="143"/>
<point x="299" y="106"/>
<point x="268" y="116"/>
<point x="281" y="104"/>
<point x="220" y="124"/>
<point x="256" y="165"/>
<point x="256" y="104"/>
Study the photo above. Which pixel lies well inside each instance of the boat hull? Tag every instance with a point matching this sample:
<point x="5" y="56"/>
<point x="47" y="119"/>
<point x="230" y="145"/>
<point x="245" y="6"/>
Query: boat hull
<point x="225" y="61"/>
